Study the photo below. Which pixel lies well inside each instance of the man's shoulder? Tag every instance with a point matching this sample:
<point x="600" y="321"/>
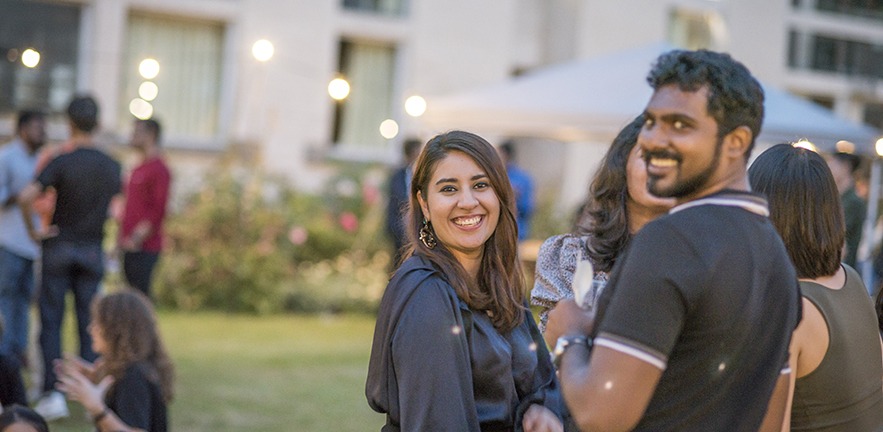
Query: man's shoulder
<point x="692" y="218"/>
<point x="74" y="162"/>
<point x="665" y="225"/>
<point x="107" y="160"/>
<point x="154" y="166"/>
<point x="7" y="154"/>
<point x="692" y="230"/>
<point x="9" y="147"/>
<point x="106" y="157"/>
<point x="12" y="150"/>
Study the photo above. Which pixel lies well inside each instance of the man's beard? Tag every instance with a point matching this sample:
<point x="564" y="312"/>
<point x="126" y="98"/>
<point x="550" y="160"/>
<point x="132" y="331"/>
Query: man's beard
<point x="686" y="187"/>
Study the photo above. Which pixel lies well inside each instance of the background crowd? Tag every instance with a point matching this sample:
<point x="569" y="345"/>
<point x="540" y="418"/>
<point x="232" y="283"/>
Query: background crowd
<point x="56" y="202"/>
<point x="693" y="294"/>
<point x="456" y="345"/>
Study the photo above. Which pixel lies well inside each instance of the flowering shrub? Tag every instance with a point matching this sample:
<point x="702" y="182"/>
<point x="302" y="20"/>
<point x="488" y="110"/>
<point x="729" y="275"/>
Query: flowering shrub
<point x="249" y="242"/>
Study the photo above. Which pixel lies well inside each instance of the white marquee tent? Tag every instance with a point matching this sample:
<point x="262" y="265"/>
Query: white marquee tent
<point x="586" y="102"/>
<point x="590" y="100"/>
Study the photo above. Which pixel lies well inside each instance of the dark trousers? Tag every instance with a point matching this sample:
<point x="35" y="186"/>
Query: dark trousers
<point x="16" y="289"/>
<point x="138" y="269"/>
<point x="12" y="388"/>
<point x="67" y="266"/>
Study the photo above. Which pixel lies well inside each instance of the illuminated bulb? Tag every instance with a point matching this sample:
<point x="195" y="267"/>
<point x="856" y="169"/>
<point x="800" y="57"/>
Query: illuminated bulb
<point x="141" y="109"/>
<point x="263" y="50"/>
<point x="148" y="68"/>
<point x="30" y="58"/>
<point x="415" y="106"/>
<point x="389" y="128"/>
<point x="338" y="89"/>
<point x="148" y="91"/>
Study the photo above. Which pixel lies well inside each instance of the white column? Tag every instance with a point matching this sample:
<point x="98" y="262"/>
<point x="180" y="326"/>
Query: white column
<point x="106" y="33"/>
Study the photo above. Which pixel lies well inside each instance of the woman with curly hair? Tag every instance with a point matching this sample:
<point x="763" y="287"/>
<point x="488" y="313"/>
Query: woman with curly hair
<point x="618" y="205"/>
<point x="130" y="385"/>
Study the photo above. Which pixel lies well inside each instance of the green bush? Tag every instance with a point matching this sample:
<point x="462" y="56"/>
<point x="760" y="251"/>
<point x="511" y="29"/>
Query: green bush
<point x="247" y="242"/>
<point x="548" y="220"/>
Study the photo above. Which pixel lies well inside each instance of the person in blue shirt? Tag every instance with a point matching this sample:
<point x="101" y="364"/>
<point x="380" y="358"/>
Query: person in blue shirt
<point x="18" y="251"/>
<point x="522" y="184"/>
<point x="397" y="200"/>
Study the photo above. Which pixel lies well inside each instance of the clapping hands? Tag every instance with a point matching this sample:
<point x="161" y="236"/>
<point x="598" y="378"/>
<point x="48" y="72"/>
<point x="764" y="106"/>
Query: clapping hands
<point x="77" y="378"/>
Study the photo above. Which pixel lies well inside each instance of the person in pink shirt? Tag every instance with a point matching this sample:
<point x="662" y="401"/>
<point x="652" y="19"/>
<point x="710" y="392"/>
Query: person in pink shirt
<point x="147" y="195"/>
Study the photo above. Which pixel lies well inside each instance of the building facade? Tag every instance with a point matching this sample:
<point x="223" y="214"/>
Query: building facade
<point x="828" y="51"/>
<point x="217" y="90"/>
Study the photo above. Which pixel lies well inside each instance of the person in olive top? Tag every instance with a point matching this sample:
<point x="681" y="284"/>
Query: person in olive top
<point x="837" y="384"/>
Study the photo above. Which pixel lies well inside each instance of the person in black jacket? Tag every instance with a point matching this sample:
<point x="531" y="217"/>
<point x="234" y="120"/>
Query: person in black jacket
<point x="455" y="346"/>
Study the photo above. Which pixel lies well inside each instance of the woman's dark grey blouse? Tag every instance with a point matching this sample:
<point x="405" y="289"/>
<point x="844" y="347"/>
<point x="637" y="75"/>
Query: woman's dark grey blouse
<point x="437" y="365"/>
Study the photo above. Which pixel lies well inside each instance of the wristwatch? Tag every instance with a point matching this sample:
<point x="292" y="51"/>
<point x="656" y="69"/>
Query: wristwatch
<point x="565" y="342"/>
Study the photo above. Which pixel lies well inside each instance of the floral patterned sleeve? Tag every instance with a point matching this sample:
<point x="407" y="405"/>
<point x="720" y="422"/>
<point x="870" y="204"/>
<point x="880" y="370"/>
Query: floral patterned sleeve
<point x="556" y="263"/>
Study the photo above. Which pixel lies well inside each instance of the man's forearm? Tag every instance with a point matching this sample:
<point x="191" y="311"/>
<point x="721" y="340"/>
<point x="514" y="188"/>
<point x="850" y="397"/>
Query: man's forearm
<point x="25" y="200"/>
<point x="28" y="217"/>
<point x="777" y="408"/>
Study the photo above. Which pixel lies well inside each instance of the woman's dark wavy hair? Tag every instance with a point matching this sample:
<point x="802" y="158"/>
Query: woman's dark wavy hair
<point x="804" y="207"/>
<point x="128" y="325"/>
<point x="499" y="286"/>
<point x="605" y="219"/>
<point x="735" y="97"/>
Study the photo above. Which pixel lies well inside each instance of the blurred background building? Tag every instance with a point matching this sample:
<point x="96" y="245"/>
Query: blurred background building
<point x="294" y="84"/>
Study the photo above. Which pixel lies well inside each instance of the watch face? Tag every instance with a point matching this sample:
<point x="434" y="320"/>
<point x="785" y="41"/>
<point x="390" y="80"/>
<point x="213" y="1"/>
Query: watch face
<point x="566" y="341"/>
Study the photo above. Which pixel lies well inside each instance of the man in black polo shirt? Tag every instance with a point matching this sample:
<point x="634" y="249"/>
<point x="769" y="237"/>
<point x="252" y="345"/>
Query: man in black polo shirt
<point x="85" y="180"/>
<point x="692" y="332"/>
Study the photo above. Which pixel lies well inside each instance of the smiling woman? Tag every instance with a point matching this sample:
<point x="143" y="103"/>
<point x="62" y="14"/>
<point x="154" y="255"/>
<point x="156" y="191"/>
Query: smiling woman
<point x="462" y="207"/>
<point x="455" y="347"/>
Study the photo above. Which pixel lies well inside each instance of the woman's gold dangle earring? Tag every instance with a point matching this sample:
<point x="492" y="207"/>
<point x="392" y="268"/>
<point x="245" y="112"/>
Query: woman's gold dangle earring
<point x="426" y="235"/>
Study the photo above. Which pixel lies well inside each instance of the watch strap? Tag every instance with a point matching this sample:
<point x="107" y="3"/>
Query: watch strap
<point x="565" y="342"/>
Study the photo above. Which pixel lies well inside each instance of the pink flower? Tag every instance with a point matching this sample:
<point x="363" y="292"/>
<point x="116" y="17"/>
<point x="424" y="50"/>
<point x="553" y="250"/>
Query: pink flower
<point x="297" y="235"/>
<point x="370" y="194"/>
<point x="349" y="222"/>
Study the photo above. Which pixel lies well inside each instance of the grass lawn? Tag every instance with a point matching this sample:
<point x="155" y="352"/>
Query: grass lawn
<point x="277" y="373"/>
